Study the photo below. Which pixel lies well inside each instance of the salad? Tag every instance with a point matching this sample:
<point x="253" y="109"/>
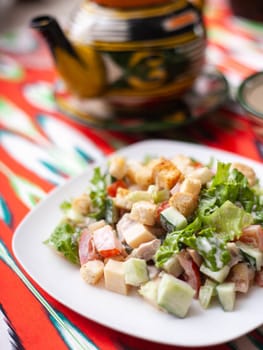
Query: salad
<point x="172" y="229"/>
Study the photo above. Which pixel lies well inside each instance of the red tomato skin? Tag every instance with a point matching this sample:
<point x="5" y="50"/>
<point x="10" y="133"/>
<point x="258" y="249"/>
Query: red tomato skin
<point x="112" y="188"/>
<point x="87" y="250"/>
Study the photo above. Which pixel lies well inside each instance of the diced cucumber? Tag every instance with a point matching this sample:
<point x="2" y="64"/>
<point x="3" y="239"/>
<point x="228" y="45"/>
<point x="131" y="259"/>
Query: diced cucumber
<point x="213" y="284"/>
<point x="206" y="293"/>
<point x="135" y="272"/>
<point x="111" y="212"/>
<point x="149" y="291"/>
<point x="226" y="295"/>
<point x="218" y="276"/>
<point x="172" y="219"/>
<point x="173" y="266"/>
<point x="158" y="196"/>
<point x="174" y="295"/>
<point x="253" y="255"/>
<point x="137" y="196"/>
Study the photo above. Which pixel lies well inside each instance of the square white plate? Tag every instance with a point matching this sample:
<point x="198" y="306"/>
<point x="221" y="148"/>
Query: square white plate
<point x="129" y="314"/>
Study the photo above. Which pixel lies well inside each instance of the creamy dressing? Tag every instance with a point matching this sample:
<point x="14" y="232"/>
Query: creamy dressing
<point x="254" y="94"/>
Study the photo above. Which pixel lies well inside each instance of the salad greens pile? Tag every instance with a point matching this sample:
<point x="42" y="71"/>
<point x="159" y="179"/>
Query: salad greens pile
<point x="225" y="207"/>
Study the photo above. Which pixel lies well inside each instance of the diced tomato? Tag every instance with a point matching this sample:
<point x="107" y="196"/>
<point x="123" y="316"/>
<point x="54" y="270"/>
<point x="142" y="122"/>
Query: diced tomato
<point x="112" y="188"/>
<point x="253" y="235"/>
<point x="191" y="271"/>
<point x="106" y="242"/>
<point x="87" y="250"/>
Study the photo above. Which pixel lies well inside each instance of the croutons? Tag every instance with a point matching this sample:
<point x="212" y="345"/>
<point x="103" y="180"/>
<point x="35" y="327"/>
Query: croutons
<point x="122" y="200"/>
<point x="191" y="185"/>
<point x="166" y="174"/>
<point x="184" y="202"/>
<point x="247" y="171"/>
<point x="144" y="212"/>
<point x="82" y="204"/>
<point x="118" y="167"/>
<point x="139" y="174"/>
<point x="92" y="271"/>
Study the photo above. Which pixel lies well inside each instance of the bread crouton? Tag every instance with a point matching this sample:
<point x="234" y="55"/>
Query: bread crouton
<point x="118" y="167"/>
<point x="92" y="271"/>
<point x="184" y="202"/>
<point x="166" y="174"/>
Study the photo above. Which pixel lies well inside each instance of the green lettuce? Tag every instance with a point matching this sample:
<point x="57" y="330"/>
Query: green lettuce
<point x="64" y="239"/>
<point x="226" y="206"/>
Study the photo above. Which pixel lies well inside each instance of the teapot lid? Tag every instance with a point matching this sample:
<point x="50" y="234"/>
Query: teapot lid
<point x="130" y="3"/>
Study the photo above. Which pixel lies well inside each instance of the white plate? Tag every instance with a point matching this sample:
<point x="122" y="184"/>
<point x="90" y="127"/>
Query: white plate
<point x="129" y="314"/>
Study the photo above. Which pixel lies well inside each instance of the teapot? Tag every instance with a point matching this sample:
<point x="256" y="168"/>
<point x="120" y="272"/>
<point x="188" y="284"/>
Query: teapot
<point x="125" y="56"/>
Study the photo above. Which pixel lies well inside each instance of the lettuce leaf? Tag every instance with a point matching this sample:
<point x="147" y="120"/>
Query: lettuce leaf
<point x="64" y="239"/>
<point x="226" y="206"/>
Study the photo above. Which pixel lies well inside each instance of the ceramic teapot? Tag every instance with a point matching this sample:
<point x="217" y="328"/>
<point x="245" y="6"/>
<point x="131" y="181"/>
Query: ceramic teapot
<point x="125" y="56"/>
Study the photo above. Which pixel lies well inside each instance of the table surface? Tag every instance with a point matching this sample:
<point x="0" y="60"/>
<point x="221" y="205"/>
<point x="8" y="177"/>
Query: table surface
<point x="27" y="114"/>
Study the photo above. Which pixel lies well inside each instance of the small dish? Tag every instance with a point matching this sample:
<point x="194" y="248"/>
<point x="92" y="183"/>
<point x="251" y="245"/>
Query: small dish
<point x="250" y="96"/>
<point x="208" y="93"/>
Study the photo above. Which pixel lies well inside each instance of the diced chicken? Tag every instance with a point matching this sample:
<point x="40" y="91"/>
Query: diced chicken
<point x="140" y="174"/>
<point x="106" y="241"/>
<point x="118" y="167"/>
<point x="204" y="174"/>
<point x="92" y="271"/>
<point x="153" y="272"/>
<point x="144" y="212"/>
<point x="147" y="250"/>
<point x="191" y="185"/>
<point x="247" y="171"/>
<point x="133" y="232"/>
<point x="242" y="275"/>
<point x="166" y="174"/>
<point x="114" y="277"/>
<point x="82" y="204"/>
<point x="185" y="203"/>
<point x="253" y="235"/>
<point x="195" y="256"/>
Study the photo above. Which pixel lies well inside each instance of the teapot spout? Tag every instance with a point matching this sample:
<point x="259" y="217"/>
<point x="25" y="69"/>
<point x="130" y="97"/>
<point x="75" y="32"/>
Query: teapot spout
<point x="81" y="68"/>
<point x="51" y="31"/>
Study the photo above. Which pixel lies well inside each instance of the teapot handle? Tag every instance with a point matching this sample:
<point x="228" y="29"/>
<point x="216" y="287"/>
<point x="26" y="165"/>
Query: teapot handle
<point x="198" y="3"/>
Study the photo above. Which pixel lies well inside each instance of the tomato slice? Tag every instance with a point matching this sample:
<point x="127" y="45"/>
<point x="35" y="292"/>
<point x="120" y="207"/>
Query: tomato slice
<point x="112" y="188"/>
<point x="87" y="250"/>
<point x="191" y="271"/>
<point x="253" y="235"/>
